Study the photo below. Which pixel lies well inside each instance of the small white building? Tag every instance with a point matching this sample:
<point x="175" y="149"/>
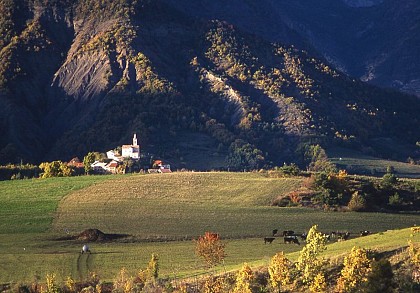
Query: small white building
<point x="99" y="167"/>
<point x="113" y="155"/>
<point x="127" y="151"/>
<point x="165" y="169"/>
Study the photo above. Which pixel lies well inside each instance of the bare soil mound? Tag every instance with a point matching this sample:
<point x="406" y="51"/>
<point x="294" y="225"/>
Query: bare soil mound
<point x="92" y="235"/>
<point x="95" y="235"/>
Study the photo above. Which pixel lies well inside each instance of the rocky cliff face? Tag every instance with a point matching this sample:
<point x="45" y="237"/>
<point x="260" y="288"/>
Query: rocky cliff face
<point x="85" y="75"/>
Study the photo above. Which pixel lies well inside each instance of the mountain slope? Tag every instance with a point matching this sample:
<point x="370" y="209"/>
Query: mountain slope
<point x="85" y="76"/>
<point x="376" y="41"/>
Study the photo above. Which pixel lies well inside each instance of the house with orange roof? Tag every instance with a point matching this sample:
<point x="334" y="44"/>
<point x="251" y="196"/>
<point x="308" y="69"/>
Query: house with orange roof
<point x="75" y="162"/>
<point x="112" y="166"/>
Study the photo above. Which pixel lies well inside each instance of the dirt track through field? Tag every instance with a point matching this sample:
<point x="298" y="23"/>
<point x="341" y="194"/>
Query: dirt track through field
<point x="84" y="265"/>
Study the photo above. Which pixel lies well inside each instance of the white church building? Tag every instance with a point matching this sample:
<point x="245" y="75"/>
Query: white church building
<point x="127" y="151"/>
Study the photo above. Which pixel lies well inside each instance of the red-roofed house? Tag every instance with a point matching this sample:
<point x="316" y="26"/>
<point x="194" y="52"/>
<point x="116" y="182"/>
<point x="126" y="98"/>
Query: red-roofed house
<point x="75" y="162"/>
<point x="112" y="167"/>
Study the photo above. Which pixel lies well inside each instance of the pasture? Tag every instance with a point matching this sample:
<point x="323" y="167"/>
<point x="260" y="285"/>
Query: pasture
<point x="358" y="163"/>
<point x="161" y="214"/>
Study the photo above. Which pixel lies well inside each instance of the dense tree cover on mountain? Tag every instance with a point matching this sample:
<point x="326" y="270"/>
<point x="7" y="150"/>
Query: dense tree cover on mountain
<point x="82" y="76"/>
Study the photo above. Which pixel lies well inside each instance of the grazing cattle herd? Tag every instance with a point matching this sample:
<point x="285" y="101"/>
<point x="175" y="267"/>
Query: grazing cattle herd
<point x="290" y="236"/>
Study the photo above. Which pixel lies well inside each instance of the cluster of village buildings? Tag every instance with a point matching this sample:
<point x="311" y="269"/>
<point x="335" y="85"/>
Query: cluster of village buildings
<point x="115" y="159"/>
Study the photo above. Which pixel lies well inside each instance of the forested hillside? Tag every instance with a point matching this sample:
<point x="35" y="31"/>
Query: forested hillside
<point x="85" y="75"/>
<point x="374" y="40"/>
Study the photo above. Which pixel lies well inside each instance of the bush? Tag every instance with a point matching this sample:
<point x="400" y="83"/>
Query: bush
<point x="242" y="155"/>
<point x="282" y="201"/>
<point x="395" y="200"/>
<point x="219" y="284"/>
<point x="210" y="248"/>
<point x="20" y="171"/>
<point x="285" y="171"/>
<point x="331" y="188"/>
<point x="381" y="277"/>
<point x="388" y="181"/>
<point x="357" y="202"/>
<point x="318" y="159"/>
<point x="56" y="169"/>
<point x="390" y="169"/>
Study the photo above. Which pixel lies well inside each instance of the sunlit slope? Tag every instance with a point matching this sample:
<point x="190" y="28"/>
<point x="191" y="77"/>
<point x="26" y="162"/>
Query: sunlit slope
<point x="184" y="205"/>
<point x="175" y="205"/>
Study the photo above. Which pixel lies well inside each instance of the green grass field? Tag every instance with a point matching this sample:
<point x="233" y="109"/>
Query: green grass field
<point x="357" y="163"/>
<point x="28" y="206"/>
<point x="161" y="213"/>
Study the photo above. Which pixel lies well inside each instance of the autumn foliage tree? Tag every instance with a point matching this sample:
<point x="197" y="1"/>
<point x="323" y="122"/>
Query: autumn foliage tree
<point x="355" y="273"/>
<point x="244" y="278"/>
<point x="148" y="278"/>
<point x="310" y="264"/>
<point x="414" y="254"/>
<point x="55" y="169"/>
<point x="319" y="284"/>
<point x="216" y="284"/>
<point x="357" y="202"/>
<point x="210" y="248"/>
<point x="279" y="271"/>
<point x="153" y="267"/>
<point x="88" y="160"/>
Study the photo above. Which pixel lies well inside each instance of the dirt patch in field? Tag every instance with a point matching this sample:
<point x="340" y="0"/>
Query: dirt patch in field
<point x="91" y="235"/>
<point x="95" y="235"/>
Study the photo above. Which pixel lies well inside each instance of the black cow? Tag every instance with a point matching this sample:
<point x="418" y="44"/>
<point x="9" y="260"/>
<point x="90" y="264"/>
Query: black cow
<point x="268" y="240"/>
<point x="275" y="232"/>
<point x="288" y="233"/>
<point x="364" y="233"/>
<point x="291" y="239"/>
<point x="341" y="235"/>
<point x="344" y="236"/>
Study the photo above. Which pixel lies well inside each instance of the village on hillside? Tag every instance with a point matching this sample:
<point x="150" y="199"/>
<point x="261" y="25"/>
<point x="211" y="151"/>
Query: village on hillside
<point x="120" y="159"/>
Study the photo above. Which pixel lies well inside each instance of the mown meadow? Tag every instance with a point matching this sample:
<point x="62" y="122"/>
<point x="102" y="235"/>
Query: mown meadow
<point x="160" y="214"/>
<point x="357" y="163"/>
